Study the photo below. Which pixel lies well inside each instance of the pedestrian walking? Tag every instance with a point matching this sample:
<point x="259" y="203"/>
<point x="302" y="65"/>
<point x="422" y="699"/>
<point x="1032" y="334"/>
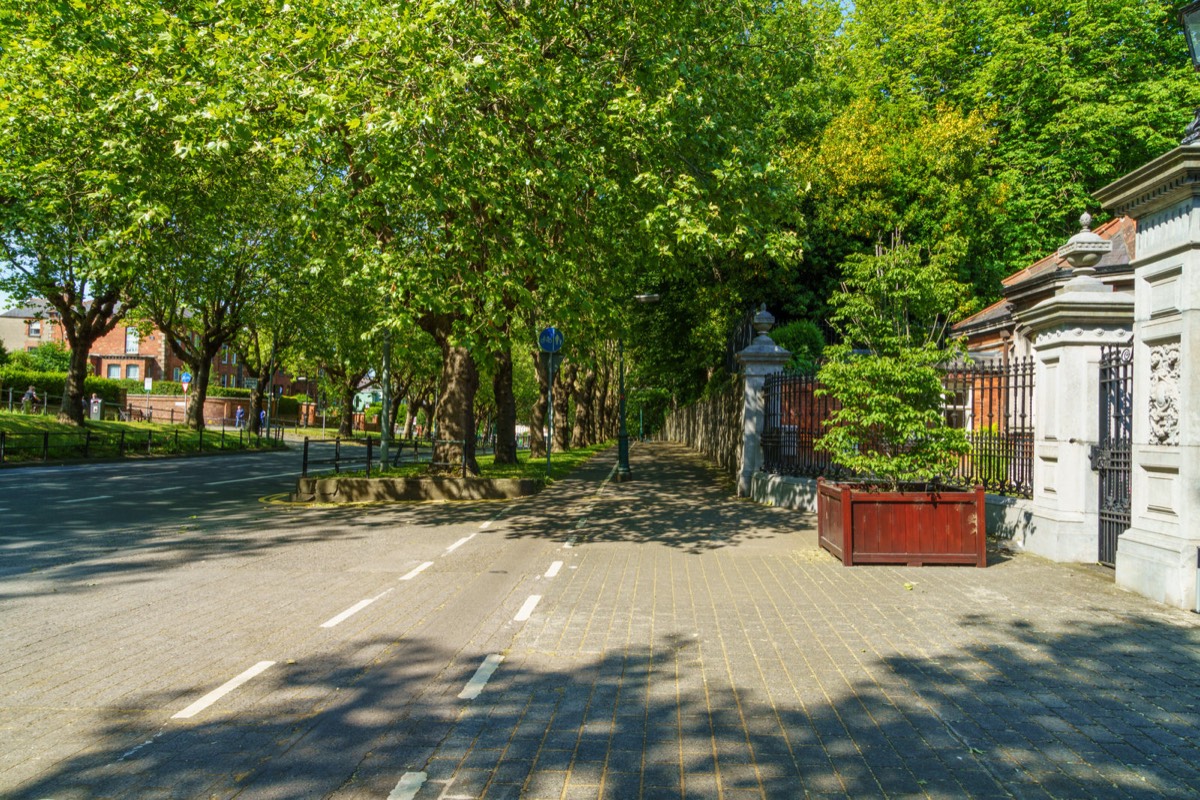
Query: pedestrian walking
<point x="239" y="417"/>
<point x="262" y="420"/>
<point x="29" y="400"/>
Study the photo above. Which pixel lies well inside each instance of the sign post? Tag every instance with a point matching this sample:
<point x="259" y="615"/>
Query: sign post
<point x="550" y="340"/>
<point x="149" y="384"/>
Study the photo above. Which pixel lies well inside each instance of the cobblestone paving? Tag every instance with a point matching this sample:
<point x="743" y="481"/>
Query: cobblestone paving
<point x="699" y="646"/>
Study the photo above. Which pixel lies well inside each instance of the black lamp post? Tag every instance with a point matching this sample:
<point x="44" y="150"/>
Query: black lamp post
<point x="624" y="473"/>
<point x="1190" y="19"/>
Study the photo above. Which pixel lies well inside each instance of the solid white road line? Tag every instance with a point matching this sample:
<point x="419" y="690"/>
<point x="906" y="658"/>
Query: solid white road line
<point x="222" y="690"/>
<point x="164" y="489"/>
<point x="253" y="478"/>
<point x="527" y="609"/>
<point x="417" y="571"/>
<point x="554" y="568"/>
<point x="485" y="525"/>
<point x="481" y="676"/>
<point x="352" y="610"/>
<point x="459" y="543"/>
<point x="87" y="499"/>
<point x="408" y="786"/>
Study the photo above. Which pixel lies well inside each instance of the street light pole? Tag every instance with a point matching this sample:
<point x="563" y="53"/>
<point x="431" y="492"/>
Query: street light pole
<point x="624" y="473"/>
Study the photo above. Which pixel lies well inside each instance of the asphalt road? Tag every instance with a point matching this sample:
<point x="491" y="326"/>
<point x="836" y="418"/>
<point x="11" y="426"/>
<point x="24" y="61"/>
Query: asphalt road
<point x="170" y="632"/>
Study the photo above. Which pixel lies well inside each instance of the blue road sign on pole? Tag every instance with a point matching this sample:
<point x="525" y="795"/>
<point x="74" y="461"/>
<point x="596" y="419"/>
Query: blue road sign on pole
<point x="550" y="340"/>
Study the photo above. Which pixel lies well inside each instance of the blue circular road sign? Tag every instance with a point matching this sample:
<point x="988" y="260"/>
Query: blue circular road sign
<point x="550" y="340"/>
<point x="185" y="377"/>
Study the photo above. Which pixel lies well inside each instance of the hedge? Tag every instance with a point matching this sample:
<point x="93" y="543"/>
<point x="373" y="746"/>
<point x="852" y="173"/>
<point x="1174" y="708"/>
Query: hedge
<point x="50" y="384"/>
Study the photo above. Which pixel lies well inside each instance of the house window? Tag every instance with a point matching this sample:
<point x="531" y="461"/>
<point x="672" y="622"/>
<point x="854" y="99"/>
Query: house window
<point x="177" y="374"/>
<point x="224" y="355"/>
<point x="114" y="371"/>
<point x="233" y="357"/>
<point x="35" y="329"/>
<point x="132" y="341"/>
<point x="133" y="372"/>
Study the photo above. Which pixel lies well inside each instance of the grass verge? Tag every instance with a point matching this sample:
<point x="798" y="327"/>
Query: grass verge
<point x="561" y="465"/>
<point x="30" y="437"/>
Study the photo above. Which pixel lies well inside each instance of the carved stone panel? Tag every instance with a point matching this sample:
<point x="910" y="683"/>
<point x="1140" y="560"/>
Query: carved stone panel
<point x="1164" y="394"/>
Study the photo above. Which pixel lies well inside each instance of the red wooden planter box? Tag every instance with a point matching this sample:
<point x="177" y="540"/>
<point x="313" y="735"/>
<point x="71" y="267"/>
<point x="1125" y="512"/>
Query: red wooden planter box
<point x="908" y="527"/>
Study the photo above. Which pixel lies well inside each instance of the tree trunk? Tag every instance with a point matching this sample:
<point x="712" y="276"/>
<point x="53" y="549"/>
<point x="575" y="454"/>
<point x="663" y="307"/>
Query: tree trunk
<point x="346" y="424"/>
<point x="201" y="372"/>
<point x="262" y="378"/>
<point x="582" y="388"/>
<point x="537" y="424"/>
<point x="455" y="414"/>
<point x="602" y="410"/>
<point x="506" y="408"/>
<point x="73" y="388"/>
<point x="456" y="411"/>
<point x="562" y="407"/>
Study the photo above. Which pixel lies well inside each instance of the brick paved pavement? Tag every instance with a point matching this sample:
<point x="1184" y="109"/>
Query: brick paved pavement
<point x="690" y="645"/>
<point x="701" y="646"/>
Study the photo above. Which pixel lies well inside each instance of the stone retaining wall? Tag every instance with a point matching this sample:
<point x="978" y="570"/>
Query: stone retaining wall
<point x="712" y="426"/>
<point x="366" y="490"/>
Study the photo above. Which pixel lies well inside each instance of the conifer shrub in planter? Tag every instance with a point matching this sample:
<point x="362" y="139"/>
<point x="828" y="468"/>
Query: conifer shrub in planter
<point x="892" y="313"/>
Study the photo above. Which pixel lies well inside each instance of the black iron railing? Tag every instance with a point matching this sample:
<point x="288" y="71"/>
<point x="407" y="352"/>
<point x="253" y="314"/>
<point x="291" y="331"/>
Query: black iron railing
<point x="991" y="401"/>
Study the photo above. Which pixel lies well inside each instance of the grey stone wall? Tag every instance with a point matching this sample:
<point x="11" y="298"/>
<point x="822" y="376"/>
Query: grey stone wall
<point x="712" y="426"/>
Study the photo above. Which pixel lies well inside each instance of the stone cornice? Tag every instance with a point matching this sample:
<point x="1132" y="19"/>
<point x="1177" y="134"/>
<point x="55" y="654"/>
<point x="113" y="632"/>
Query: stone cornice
<point x="1163" y="182"/>
<point x="1091" y="316"/>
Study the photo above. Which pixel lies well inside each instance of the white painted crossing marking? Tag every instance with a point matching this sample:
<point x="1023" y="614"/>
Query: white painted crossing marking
<point x="408" y="786"/>
<point x="352" y="610"/>
<point x="459" y="543"/>
<point x="480" y="678"/>
<point x="252" y="478"/>
<point x="222" y="690"/>
<point x="87" y="499"/>
<point x="417" y="571"/>
<point x="554" y="568"/>
<point x="485" y="525"/>
<point x="527" y="609"/>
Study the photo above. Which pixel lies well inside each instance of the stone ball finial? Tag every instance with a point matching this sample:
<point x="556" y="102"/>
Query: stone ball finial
<point x="1084" y="250"/>
<point x="763" y="320"/>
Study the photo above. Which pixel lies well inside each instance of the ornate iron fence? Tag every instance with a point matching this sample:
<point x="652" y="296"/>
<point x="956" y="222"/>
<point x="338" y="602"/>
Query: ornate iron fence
<point x="991" y="401"/>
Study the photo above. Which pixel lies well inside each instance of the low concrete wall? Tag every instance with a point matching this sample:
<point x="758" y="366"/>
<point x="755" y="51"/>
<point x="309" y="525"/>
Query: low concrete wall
<point x="784" y="491"/>
<point x="1008" y="518"/>
<point x="365" y="490"/>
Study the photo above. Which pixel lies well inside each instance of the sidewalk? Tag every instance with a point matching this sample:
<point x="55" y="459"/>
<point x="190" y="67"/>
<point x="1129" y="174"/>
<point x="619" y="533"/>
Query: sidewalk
<point x="697" y="645"/>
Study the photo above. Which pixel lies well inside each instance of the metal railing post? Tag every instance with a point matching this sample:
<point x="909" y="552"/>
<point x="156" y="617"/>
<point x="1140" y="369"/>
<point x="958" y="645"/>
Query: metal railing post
<point x="46" y="446"/>
<point x="87" y="443"/>
<point x="304" y="464"/>
<point x="368" y="455"/>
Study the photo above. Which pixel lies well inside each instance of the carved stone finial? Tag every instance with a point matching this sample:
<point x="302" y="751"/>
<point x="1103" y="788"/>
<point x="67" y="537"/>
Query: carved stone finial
<point x="1084" y="250"/>
<point x="763" y="320"/>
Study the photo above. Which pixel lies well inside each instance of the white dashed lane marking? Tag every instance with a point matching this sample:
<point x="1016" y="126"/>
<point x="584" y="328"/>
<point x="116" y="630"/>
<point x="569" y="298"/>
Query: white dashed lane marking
<point x="87" y="499"/>
<point x="408" y="786"/>
<point x="527" y="609"/>
<point x="417" y="571"/>
<point x="222" y="690"/>
<point x="352" y="610"/>
<point x="481" y="676"/>
<point x="554" y="568"/>
<point x="459" y="543"/>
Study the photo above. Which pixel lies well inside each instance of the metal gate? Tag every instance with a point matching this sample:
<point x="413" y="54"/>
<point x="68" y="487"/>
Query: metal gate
<point x="1112" y="458"/>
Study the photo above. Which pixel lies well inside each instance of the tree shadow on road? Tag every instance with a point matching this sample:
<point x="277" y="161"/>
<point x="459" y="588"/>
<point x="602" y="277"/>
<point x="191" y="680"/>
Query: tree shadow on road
<point x="1106" y="711"/>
